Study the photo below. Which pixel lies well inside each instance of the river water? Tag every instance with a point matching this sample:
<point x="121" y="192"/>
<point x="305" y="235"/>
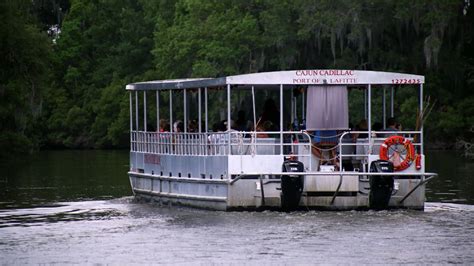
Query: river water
<point x="69" y="207"/>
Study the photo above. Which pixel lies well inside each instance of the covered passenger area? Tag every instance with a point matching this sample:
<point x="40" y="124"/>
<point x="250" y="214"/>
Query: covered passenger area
<point x="299" y="115"/>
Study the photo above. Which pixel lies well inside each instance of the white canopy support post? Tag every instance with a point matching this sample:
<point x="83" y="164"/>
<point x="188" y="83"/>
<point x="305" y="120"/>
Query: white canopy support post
<point x="303" y="116"/>
<point x="185" y="112"/>
<point x="144" y="111"/>
<point x="205" y="109"/>
<point x="228" y="108"/>
<point x="137" y="136"/>
<point x="293" y="110"/>
<point x="391" y="102"/>
<point x="253" y="107"/>
<point x="136" y="111"/>
<point x="131" y="114"/>
<point x="131" y="122"/>
<point x="384" y="109"/>
<point x="422" y="118"/>
<point x="171" y="110"/>
<point x="369" y="113"/>
<point x="365" y="104"/>
<point x="157" y="110"/>
<point x="281" y="119"/>
<point x="199" y="110"/>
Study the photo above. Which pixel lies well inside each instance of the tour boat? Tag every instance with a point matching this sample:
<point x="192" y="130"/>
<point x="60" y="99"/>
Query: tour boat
<point x="281" y="141"/>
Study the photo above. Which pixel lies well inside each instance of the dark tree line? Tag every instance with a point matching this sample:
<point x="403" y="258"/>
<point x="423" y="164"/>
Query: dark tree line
<point x="65" y="63"/>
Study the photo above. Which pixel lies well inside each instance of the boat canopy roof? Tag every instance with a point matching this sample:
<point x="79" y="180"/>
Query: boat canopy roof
<point x="290" y="77"/>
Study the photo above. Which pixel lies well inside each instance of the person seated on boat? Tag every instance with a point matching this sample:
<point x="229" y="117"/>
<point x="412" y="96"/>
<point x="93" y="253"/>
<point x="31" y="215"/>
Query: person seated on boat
<point x="377" y="126"/>
<point x="164" y="125"/>
<point x="216" y="139"/>
<point x="241" y="124"/>
<point x="262" y="128"/>
<point x="270" y="113"/>
<point x="392" y="125"/>
<point x="192" y="126"/>
<point x="362" y="126"/>
<point x="178" y="126"/>
<point x="217" y="128"/>
<point x="324" y="146"/>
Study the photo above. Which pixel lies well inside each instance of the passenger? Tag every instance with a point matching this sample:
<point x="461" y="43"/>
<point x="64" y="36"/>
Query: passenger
<point x="178" y="126"/>
<point x="164" y="125"/>
<point x="270" y="113"/>
<point x="392" y="125"/>
<point x="232" y="125"/>
<point x="265" y="126"/>
<point x="377" y="127"/>
<point x="192" y="126"/>
<point x="362" y="126"/>
<point x="216" y="139"/>
<point x="242" y="123"/>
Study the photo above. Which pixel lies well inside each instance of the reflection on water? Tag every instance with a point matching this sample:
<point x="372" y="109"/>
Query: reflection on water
<point x="455" y="182"/>
<point x="53" y="176"/>
<point x="75" y="207"/>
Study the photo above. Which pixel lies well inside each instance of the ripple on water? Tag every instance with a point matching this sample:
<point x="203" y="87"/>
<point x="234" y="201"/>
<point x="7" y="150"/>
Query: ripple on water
<point x="121" y="230"/>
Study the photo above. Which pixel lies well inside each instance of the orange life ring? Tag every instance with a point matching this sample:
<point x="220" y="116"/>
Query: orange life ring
<point x="393" y="140"/>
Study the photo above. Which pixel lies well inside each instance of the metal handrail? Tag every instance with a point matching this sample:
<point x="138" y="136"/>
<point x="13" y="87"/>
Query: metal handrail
<point x="370" y="142"/>
<point x="206" y="144"/>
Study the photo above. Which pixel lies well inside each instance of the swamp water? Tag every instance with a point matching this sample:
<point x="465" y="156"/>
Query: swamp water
<point x="76" y="207"/>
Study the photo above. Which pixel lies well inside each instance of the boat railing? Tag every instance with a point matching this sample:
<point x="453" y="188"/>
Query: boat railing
<point x="362" y="148"/>
<point x="285" y="143"/>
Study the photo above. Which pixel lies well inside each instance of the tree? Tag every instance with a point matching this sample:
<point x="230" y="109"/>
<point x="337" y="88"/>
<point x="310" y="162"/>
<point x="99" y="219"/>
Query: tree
<point x="24" y="75"/>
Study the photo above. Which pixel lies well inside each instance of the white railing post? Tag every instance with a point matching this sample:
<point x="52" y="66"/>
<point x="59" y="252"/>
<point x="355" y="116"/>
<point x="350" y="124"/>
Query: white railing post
<point x="421" y="122"/>
<point x="144" y="112"/>
<point x="281" y="119"/>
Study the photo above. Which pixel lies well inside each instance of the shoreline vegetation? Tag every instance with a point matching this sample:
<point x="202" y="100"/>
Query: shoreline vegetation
<point x="65" y="63"/>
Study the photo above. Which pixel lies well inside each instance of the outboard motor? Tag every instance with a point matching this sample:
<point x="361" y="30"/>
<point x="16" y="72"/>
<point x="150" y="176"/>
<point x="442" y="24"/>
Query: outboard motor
<point x="381" y="187"/>
<point x="291" y="185"/>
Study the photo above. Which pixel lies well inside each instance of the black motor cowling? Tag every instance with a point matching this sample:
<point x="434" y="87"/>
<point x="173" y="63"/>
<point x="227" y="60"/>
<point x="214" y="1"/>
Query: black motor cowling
<point x="381" y="187"/>
<point x="291" y="185"/>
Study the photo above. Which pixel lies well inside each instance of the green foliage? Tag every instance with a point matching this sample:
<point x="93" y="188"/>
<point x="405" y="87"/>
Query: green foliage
<point x="69" y="91"/>
<point x="208" y="39"/>
<point x="24" y="75"/>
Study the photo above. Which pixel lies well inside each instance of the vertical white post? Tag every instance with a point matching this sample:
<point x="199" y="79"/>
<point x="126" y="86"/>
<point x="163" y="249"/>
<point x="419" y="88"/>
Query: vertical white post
<point x="421" y="111"/>
<point x="365" y="104"/>
<point x="144" y="111"/>
<point x="228" y="107"/>
<point x="136" y="111"/>
<point x="391" y="102"/>
<point x="293" y="105"/>
<point x="131" y="122"/>
<point x="199" y="110"/>
<point x="185" y="112"/>
<point x="157" y="111"/>
<point x="131" y="112"/>
<point x="303" y="116"/>
<point x="205" y="109"/>
<point x="384" y="109"/>
<point x="145" y="136"/>
<point x="137" y="136"/>
<point x="253" y="139"/>
<point x="201" y="142"/>
<point x="253" y="106"/>
<point x="369" y="113"/>
<point x="171" y="110"/>
<point x="281" y="119"/>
